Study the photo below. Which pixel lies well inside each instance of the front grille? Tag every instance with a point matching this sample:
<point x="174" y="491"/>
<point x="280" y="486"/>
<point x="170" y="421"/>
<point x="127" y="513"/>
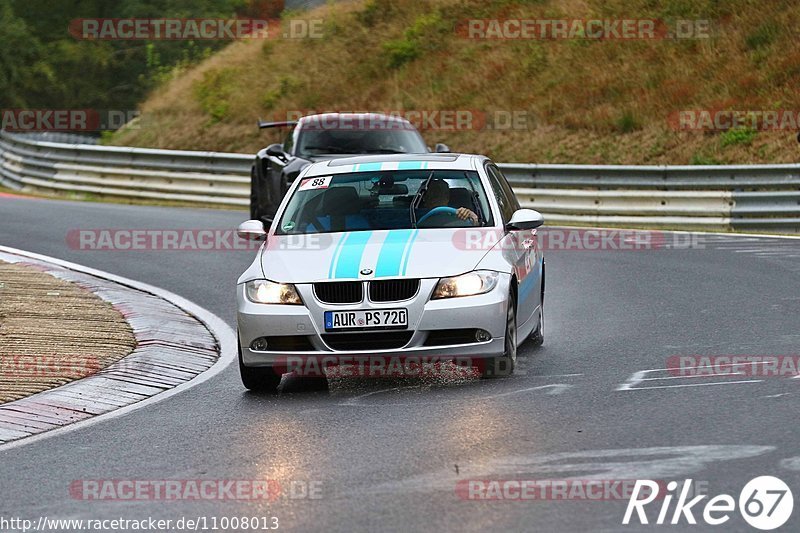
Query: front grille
<point x="386" y="340"/>
<point x="445" y="337"/>
<point x="393" y="290"/>
<point x="339" y="292"/>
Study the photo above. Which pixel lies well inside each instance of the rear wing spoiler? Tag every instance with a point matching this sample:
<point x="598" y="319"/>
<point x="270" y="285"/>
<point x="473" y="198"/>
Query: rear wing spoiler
<point x="284" y="124"/>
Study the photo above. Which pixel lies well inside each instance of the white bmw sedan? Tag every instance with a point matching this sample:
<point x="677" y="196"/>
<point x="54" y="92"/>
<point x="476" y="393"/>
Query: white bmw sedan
<point x="408" y="256"/>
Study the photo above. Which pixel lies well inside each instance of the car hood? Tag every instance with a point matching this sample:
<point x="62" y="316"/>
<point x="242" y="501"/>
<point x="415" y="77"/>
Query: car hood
<point x="423" y="253"/>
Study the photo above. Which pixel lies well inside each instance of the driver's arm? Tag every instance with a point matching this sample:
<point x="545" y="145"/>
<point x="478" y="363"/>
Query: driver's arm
<point x="467" y="214"/>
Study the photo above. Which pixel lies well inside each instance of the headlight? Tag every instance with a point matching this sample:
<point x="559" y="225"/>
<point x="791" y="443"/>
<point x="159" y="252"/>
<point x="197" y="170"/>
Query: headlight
<point x="467" y="284"/>
<point x="261" y="291"/>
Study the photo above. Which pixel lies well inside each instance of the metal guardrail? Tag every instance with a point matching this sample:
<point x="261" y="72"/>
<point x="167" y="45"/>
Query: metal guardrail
<point x="63" y="137"/>
<point x="738" y="197"/>
<point x="754" y="198"/>
<point x="198" y="177"/>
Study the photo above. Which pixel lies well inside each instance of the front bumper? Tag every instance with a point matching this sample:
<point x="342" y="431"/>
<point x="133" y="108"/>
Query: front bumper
<point x="484" y="311"/>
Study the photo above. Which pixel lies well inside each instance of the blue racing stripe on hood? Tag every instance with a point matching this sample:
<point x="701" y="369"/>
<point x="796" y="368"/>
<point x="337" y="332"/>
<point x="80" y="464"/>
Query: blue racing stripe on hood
<point x="349" y="260"/>
<point x="390" y="259"/>
<point x="407" y="252"/>
<point x="336" y="254"/>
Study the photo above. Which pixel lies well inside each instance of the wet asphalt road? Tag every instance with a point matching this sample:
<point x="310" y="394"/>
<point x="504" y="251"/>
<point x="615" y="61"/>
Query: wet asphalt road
<point x="389" y="454"/>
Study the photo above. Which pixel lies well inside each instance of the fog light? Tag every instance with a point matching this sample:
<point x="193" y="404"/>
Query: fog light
<point x="259" y="345"/>
<point x="482" y="335"/>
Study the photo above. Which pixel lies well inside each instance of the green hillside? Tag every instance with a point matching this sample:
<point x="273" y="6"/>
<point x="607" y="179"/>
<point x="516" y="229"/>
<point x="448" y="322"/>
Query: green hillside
<point x="584" y="100"/>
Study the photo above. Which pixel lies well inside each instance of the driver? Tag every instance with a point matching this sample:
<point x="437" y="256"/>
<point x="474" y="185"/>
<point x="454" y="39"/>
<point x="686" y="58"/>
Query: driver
<point x="438" y="195"/>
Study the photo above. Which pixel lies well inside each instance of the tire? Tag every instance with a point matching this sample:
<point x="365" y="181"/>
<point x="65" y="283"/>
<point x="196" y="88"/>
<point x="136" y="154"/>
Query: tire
<point x="496" y="367"/>
<point x="537" y="336"/>
<point x="258" y="379"/>
<point x="313" y="383"/>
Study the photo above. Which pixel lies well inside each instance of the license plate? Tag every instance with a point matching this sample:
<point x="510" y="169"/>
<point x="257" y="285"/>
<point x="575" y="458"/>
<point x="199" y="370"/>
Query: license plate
<point x="366" y="319"/>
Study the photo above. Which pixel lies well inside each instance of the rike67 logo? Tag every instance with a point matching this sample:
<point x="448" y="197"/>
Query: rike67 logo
<point x="765" y="503"/>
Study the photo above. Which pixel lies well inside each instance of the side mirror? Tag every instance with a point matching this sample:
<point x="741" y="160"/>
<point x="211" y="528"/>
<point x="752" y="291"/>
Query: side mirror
<point x="523" y="219"/>
<point x="252" y="230"/>
<point x="442" y="148"/>
<point x="276" y="150"/>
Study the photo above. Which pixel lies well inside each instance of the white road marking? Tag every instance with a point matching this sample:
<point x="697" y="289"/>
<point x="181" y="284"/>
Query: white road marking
<point x="639" y="377"/>
<point x="664" y="462"/>
<point x="356" y="399"/>
<point x="218" y="328"/>
<point x="695" y="376"/>
<point x="791" y="463"/>
<point x="696" y="384"/>
<point x="554" y="389"/>
<point x="557" y="388"/>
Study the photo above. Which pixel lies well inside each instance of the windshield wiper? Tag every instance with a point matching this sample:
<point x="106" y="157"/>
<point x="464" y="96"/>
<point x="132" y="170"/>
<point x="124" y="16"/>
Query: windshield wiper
<point x="418" y="199"/>
<point x="382" y="151"/>
<point x="475" y="197"/>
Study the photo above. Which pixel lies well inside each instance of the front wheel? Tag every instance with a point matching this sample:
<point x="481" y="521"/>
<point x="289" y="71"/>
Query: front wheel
<point x="504" y="365"/>
<point x="258" y="379"/>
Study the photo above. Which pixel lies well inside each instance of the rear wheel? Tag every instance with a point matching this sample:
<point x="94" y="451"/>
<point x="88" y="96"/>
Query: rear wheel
<point x="504" y="365"/>
<point x="258" y="379"/>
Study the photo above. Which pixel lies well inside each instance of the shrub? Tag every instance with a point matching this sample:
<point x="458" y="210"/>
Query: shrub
<point x="763" y="36"/>
<point x="213" y="91"/>
<point x="424" y="35"/>
<point x="700" y="159"/>
<point x="627" y="123"/>
<point x="736" y="136"/>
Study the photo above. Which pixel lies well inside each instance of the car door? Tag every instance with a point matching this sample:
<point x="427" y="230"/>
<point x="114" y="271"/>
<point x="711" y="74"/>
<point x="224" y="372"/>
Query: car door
<point x="524" y="245"/>
<point x="268" y="181"/>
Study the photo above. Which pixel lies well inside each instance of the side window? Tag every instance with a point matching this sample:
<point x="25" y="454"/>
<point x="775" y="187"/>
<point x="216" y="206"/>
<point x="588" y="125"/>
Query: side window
<point x="507" y="188"/>
<point x="507" y="202"/>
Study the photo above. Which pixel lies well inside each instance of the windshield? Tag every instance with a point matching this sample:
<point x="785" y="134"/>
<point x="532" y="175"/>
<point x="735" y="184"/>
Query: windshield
<point x="315" y="142"/>
<point x="383" y="201"/>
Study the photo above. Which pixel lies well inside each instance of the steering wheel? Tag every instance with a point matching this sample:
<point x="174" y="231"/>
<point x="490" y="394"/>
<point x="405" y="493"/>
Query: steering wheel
<point x="438" y="210"/>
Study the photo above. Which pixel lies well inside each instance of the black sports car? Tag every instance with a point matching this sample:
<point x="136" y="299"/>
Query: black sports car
<point x="320" y="137"/>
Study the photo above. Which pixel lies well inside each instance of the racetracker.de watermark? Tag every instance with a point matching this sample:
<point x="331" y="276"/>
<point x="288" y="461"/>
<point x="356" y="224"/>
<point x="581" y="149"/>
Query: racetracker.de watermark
<point x="467" y="239"/>
<point x="379" y="366"/>
<point x="708" y="120"/>
<point x="66" y="120"/>
<point x="450" y="120"/>
<point x="576" y="239"/>
<point x="195" y="489"/>
<point x="734" y="365"/>
<point x="193" y="29"/>
<point x="590" y="29"/>
<point x="25" y="367"/>
<point x="516" y="490"/>
<point x="165" y="240"/>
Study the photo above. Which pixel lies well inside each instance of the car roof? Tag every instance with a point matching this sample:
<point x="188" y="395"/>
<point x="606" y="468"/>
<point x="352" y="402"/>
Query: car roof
<point x="375" y="163"/>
